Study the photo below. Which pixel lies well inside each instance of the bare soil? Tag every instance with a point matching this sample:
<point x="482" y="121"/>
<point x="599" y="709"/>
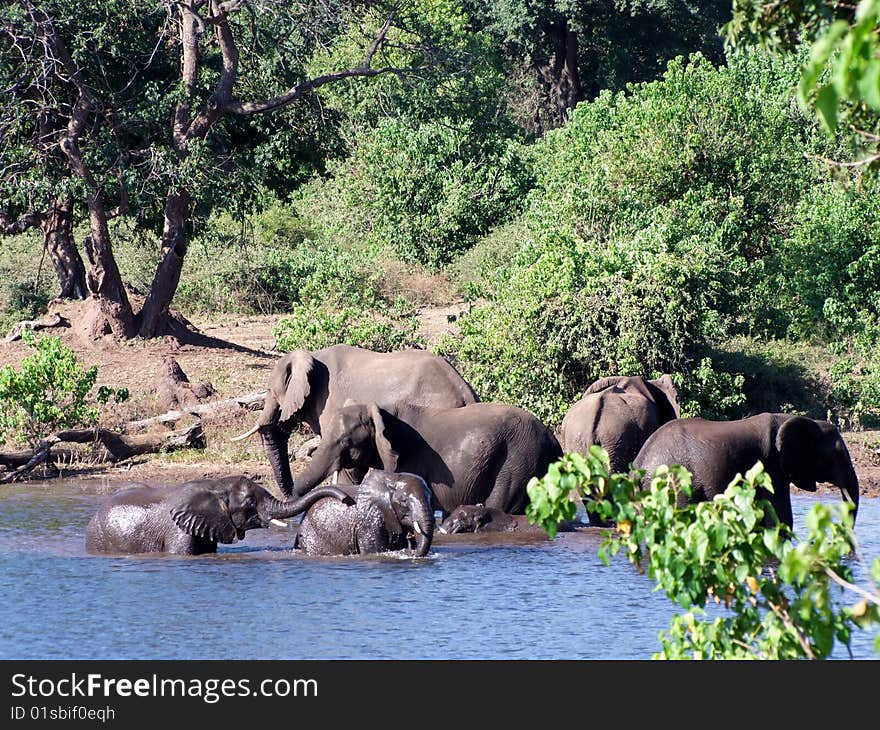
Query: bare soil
<point x="234" y="354"/>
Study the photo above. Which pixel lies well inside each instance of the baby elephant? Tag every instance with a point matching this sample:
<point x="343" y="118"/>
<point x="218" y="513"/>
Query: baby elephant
<point x="477" y="518"/>
<point x="192" y="518"/>
<point x="391" y="512"/>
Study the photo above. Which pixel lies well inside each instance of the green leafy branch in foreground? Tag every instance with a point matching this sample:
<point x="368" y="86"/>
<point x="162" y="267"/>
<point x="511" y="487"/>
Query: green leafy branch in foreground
<point x="781" y="593"/>
<point x="49" y="393"/>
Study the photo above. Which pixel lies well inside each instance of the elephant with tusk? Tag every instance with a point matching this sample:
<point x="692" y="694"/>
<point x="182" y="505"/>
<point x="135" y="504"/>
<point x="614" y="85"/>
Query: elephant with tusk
<point x="392" y="512"/>
<point x="191" y="519"/>
<point x="312" y="386"/>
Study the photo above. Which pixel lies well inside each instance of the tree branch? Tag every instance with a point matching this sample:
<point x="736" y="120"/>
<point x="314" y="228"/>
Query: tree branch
<point x="30" y="220"/>
<point x="295" y="92"/>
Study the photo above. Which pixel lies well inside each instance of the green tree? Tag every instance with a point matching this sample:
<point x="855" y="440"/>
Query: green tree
<point x="565" y="51"/>
<point x="108" y="78"/>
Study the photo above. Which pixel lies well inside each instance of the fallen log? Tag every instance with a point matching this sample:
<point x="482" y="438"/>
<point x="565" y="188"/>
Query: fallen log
<point x="107" y="447"/>
<point x="54" y="320"/>
<point x="254" y="400"/>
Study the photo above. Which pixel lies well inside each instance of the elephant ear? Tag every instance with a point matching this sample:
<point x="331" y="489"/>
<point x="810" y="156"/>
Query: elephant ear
<point x="604" y="383"/>
<point x="666" y="395"/>
<point x="387" y="453"/>
<point x="202" y="512"/>
<point x="295" y="388"/>
<point x="798" y="441"/>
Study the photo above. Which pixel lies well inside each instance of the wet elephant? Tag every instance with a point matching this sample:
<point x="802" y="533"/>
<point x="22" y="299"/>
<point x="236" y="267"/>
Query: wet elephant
<point x="391" y="512"/>
<point x="312" y="387"/>
<point x="793" y="449"/>
<point x="192" y="518"/>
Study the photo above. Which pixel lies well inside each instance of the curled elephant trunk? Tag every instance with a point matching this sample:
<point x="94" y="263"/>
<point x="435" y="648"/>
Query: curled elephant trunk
<point x="276" y="509"/>
<point x="423" y="524"/>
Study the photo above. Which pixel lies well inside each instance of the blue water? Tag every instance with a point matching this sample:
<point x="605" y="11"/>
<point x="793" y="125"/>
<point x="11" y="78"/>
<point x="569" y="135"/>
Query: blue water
<point x="481" y="597"/>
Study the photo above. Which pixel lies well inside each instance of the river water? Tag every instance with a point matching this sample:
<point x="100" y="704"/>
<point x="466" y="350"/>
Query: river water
<point x="476" y="597"/>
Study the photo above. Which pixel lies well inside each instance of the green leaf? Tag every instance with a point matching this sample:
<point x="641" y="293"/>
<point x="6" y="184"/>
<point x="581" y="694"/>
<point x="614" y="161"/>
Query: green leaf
<point x="827" y="103"/>
<point x="869" y="84"/>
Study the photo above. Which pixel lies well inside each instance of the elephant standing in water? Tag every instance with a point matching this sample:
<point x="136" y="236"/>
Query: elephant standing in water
<point x="484" y="453"/>
<point x="477" y="518"/>
<point x="619" y="414"/>
<point x="793" y="449"/>
<point x="192" y="518"/>
<point x="311" y="387"/>
<point x="391" y="512"/>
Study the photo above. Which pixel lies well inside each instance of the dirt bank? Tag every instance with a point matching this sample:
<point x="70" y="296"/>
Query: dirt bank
<point x="234" y="354"/>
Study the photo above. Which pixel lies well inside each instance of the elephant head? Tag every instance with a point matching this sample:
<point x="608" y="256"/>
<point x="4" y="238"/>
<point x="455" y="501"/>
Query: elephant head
<point x="661" y="390"/>
<point x="297" y="392"/>
<point x="404" y="502"/>
<point x="356" y="439"/>
<point x="477" y="518"/>
<point x="813" y="451"/>
<point x="223" y="510"/>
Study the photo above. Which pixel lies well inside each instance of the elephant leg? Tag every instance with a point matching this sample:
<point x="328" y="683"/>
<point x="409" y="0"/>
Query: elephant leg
<point x="782" y="504"/>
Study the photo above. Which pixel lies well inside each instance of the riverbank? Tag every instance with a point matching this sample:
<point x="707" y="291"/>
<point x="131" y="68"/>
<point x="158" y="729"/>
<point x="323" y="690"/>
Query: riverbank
<point x="229" y="356"/>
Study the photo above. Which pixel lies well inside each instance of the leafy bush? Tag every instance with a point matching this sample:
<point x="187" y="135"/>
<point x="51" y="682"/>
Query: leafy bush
<point x="430" y="191"/>
<point x="317" y="326"/>
<point x="49" y="393"/>
<point x="665" y="221"/>
<point x="781" y="594"/>
<point x="273" y="262"/>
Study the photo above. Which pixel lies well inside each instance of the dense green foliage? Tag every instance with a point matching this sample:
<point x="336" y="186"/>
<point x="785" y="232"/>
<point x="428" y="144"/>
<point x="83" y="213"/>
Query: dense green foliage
<point x="782" y="594"/>
<point x="689" y="225"/>
<point x="665" y="222"/>
<point x="50" y="391"/>
<point x="427" y="193"/>
<point x="315" y="327"/>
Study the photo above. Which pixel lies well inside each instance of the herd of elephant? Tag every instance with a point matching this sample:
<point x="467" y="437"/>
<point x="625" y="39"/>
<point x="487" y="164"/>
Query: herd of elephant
<point x="403" y="435"/>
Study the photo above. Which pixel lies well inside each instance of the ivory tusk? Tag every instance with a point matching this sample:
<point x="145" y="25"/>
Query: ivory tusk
<point x="335" y="478"/>
<point x="246" y="434"/>
<point x="278" y="523"/>
<point x="442" y="529"/>
<point x="418" y="527"/>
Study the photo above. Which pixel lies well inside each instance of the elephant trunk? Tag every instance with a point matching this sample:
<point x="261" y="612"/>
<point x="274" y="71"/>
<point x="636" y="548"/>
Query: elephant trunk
<point x="276" y="440"/>
<point x="423" y="523"/>
<point x="322" y="465"/>
<point x="850" y="490"/>
<point x="275" y="509"/>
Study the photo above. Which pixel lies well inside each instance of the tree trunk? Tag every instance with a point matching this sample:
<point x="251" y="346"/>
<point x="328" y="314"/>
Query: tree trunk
<point x="561" y="78"/>
<point x="58" y="237"/>
<point x="168" y="272"/>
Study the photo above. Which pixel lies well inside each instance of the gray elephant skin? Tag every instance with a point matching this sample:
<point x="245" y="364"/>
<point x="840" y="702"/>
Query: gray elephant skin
<point x="477" y="518"/>
<point x="794" y="450"/>
<point x="192" y="518"/>
<point x="483" y="453"/>
<point x="619" y="414"/>
<point x="311" y="387"/>
<point x="391" y="512"/>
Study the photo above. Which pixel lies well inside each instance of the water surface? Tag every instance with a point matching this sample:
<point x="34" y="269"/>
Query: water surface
<point x="521" y="597"/>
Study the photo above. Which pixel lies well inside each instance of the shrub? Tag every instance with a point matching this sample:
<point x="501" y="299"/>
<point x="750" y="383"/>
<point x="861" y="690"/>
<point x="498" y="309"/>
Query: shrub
<point x="49" y="393"/>
<point x="315" y="327"/>
<point x="663" y="222"/>
<point x="565" y="318"/>
<point x="430" y="191"/>
<point x="781" y="594"/>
